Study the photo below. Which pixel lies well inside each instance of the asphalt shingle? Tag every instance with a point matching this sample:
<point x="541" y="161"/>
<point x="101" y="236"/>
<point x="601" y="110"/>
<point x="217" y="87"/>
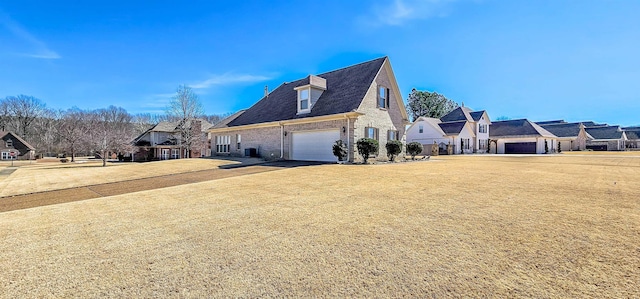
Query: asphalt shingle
<point x="346" y="88"/>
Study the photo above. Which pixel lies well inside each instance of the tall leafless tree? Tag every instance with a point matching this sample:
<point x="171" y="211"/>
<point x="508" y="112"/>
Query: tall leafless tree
<point x="73" y="130"/>
<point x="23" y="110"/>
<point x="111" y="131"/>
<point x="185" y="107"/>
<point x="46" y="138"/>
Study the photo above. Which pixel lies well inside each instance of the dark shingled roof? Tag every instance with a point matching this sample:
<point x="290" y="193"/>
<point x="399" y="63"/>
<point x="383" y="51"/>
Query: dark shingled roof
<point x="563" y="129"/>
<point x="4" y="134"/>
<point x="225" y="122"/>
<point x="460" y="113"/>
<point x="633" y="134"/>
<point x="346" y="88"/>
<point x="608" y="132"/>
<point x="549" y="122"/>
<point x="452" y="128"/>
<point x="476" y="115"/>
<point x="592" y="124"/>
<point x="517" y="127"/>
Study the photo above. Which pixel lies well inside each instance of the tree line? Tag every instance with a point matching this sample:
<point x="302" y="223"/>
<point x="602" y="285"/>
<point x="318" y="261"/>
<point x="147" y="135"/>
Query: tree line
<point x="99" y="131"/>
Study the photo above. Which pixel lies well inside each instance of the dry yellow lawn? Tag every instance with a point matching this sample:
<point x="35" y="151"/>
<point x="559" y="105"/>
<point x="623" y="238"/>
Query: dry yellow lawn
<point x="481" y="226"/>
<point x="38" y="177"/>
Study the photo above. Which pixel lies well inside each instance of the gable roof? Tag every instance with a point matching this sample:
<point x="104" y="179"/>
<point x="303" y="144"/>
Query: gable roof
<point x="172" y="127"/>
<point x="3" y="134"/>
<point x="517" y="127"/>
<point x="453" y="128"/>
<point x="346" y="88"/>
<point x="476" y="115"/>
<point x="605" y="132"/>
<point x="563" y="129"/>
<point x="225" y="122"/>
<point x="633" y="134"/>
<point x="458" y="114"/>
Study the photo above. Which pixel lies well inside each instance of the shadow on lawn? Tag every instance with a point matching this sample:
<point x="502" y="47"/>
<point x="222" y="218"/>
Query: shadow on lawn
<point x="282" y="164"/>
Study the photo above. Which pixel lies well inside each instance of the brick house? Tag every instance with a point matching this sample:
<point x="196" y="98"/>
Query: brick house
<point x="163" y="141"/>
<point x="14" y="147"/>
<point x="572" y="136"/>
<point x="301" y="120"/>
<point x="606" y="138"/>
<point x="462" y="130"/>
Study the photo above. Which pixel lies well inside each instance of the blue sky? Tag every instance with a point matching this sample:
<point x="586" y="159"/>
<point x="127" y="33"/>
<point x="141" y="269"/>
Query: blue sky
<point x="542" y="60"/>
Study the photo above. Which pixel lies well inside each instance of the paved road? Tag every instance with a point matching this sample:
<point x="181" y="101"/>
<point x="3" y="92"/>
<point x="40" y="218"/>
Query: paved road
<point x="26" y="201"/>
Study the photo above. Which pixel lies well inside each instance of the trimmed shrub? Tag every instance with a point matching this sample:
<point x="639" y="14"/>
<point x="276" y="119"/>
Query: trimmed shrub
<point x="366" y="147"/>
<point x="340" y="150"/>
<point x="546" y="147"/>
<point x="559" y="147"/>
<point x="394" y="147"/>
<point x="413" y="149"/>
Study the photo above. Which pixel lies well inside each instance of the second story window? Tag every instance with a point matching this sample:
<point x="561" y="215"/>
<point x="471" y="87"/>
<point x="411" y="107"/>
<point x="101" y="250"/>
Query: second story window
<point x="9" y="143"/>
<point x="303" y="100"/>
<point x="421" y="129"/>
<point x="383" y="97"/>
<point x="482" y="128"/>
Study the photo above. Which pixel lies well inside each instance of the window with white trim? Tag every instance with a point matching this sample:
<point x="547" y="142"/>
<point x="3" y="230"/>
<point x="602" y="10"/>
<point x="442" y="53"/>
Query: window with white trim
<point x="238" y="140"/>
<point x="421" y="129"/>
<point x="392" y="135"/>
<point x="175" y="153"/>
<point x="9" y="143"/>
<point x="303" y="100"/>
<point x="482" y="128"/>
<point x="383" y="97"/>
<point x="483" y="144"/>
<point x="6" y="155"/>
<point x="223" y="144"/>
<point x="371" y="132"/>
<point x="465" y="143"/>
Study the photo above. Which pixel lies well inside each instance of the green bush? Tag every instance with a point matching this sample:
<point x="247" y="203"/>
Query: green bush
<point x="414" y="148"/>
<point x="546" y="147"/>
<point x="339" y="150"/>
<point x="559" y="147"/>
<point x="394" y="147"/>
<point x="366" y="147"/>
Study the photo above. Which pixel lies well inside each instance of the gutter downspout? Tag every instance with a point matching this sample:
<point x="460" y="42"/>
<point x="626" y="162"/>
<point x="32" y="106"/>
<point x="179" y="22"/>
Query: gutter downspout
<point x="348" y="139"/>
<point x="281" y="141"/>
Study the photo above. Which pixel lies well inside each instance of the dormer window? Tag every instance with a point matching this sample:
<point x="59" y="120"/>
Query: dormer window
<point x="309" y="94"/>
<point x="303" y="100"/>
<point x="383" y="97"/>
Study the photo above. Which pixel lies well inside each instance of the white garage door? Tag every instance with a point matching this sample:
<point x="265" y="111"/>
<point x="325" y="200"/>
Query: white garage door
<point x="314" y="146"/>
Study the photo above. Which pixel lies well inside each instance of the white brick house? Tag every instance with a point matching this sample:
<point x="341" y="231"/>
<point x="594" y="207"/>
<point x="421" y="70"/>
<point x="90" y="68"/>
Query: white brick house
<point x="467" y="131"/>
<point x="301" y="120"/>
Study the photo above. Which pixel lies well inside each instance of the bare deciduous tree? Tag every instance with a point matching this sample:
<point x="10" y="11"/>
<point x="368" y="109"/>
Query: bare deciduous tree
<point x="73" y="130"/>
<point x="23" y="110"/>
<point x="111" y="131"/>
<point x="185" y="107"/>
<point x="46" y="137"/>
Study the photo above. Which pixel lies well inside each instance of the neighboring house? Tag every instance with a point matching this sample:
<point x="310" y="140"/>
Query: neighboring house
<point x="463" y="130"/>
<point x="521" y="136"/>
<point x="163" y="141"/>
<point x="301" y="120"/>
<point x="14" y="147"/>
<point x="606" y="138"/>
<point x="633" y="137"/>
<point x="572" y="136"/>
